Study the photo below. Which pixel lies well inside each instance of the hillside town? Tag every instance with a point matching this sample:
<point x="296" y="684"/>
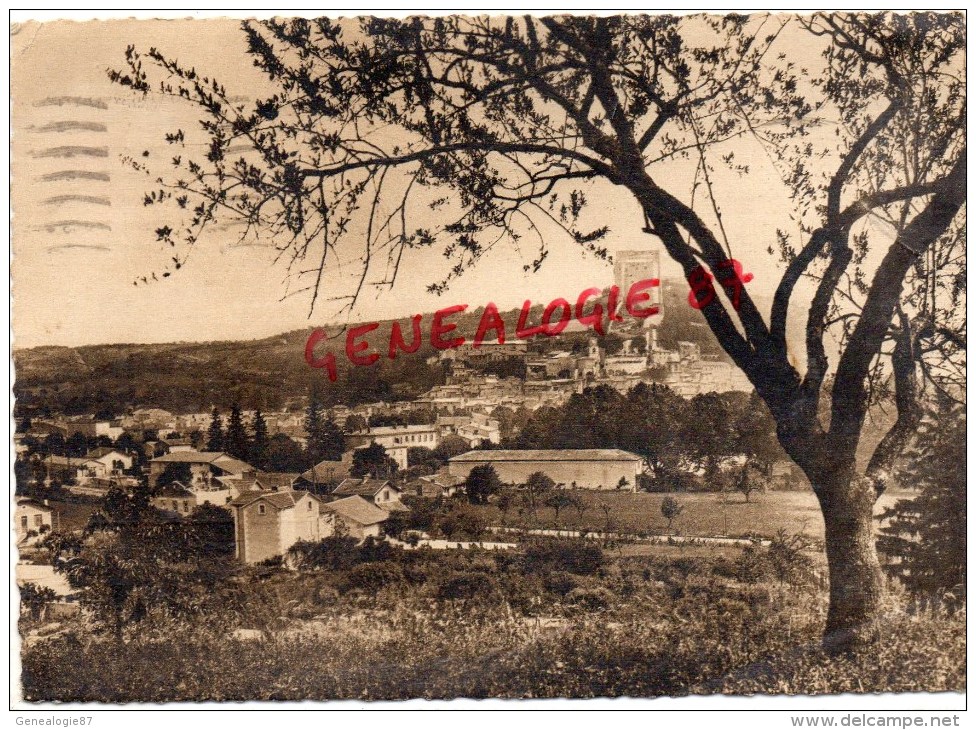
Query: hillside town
<point x="550" y="355"/>
<point x="182" y="459"/>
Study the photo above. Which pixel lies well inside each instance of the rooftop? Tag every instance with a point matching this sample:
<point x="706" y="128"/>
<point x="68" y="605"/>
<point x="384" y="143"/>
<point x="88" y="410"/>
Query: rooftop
<point x="363" y="487"/>
<point x="325" y="470"/>
<point x="102" y="451"/>
<point x="547" y="455"/>
<point x="215" y="458"/>
<point x="355" y="509"/>
<point x="276" y="479"/>
<point x="191" y="457"/>
<point x="280" y="500"/>
<point x="390" y="430"/>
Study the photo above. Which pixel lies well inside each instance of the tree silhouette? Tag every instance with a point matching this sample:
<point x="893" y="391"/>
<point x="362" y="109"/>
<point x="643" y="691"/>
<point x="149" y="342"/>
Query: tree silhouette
<point x="259" y="439"/>
<point x="557" y="500"/>
<point x="236" y="442"/>
<point x="215" y="432"/>
<point x="509" y="123"/>
<point x="924" y="537"/>
<point x="325" y="438"/>
<point x="749" y="479"/>
<point x="373" y="461"/>
<point x="481" y="483"/>
<point x="671" y="509"/>
<point x="537" y="486"/>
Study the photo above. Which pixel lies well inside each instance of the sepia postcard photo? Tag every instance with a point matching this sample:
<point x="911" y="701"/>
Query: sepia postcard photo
<point x="487" y="356"/>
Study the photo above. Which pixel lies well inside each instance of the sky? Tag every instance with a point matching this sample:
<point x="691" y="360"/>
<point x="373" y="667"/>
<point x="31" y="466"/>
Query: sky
<point x="81" y="234"/>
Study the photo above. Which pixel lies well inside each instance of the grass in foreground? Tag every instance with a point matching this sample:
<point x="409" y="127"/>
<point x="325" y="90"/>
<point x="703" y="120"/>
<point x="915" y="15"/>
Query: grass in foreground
<point x="704" y="642"/>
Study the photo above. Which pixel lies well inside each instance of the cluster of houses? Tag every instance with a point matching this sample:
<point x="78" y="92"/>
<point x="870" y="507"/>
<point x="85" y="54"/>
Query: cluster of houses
<point x="92" y="474"/>
<point x="273" y="511"/>
<point x="552" y="377"/>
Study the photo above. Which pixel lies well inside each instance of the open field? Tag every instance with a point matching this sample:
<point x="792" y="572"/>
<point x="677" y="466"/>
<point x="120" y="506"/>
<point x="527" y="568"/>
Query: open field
<point x="703" y="514"/>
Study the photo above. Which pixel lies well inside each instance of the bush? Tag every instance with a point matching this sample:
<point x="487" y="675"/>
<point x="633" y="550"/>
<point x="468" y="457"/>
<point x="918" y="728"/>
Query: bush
<point x="572" y="556"/>
<point x="733" y="642"/>
<point x="370" y="577"/>
<point x="466" y="586"/>
<point x="523" y="592"/>
<point x="560" y="583"/>
<point x="461" y="522"/>
<point x="33" y="599"/>
<point x="332" y="553"/>
<point x="590" y="598"/>
<point x="752" y="565"/>
<point x="374" y="550"/>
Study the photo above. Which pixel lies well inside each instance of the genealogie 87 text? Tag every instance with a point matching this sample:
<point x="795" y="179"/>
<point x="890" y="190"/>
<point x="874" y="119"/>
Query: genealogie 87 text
<point x="588" y="310"/>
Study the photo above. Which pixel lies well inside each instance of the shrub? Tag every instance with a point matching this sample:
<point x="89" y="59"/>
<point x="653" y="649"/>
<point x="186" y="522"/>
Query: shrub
<point x="590" y="598"/>
<point x="752" y="565"/>
<point x="560" y="583"/>
<point x="370" y="577"/>
<point x="332" y="553"/>
<point x="462" y="521"/>
<point x="33" y="599"/>
<point x="788" y="561"/>
<point x="523" y="592"/>
<point x="724" y="567"/>
<point x="573" y="556"/>
<point x="373" y="550"/>
<point x="466" y="586"/>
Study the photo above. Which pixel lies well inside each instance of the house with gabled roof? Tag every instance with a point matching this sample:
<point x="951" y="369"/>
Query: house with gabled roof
<point x="258" y="482"/>
<point x="171" y="445"/>
<point x="325" y="474"/>
<point x="436" y="485"/>
<point x="380" y="492"/>
<point x="183" y="499"/>
<point x="267" y="524"/>
<point x="32" y="518"/>
<point x="352" y="516"/>
<point x="205" y="466"/>
<point x="276" y="480"/>
<point x="105" y="462"/>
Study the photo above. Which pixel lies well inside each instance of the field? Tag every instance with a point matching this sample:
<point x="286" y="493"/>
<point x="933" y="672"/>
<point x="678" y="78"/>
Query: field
<point x="636" y="626"/>
<point x="703" y="514"/>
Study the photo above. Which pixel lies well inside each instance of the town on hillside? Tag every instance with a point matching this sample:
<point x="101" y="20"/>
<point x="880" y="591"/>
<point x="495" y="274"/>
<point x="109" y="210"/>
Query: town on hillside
<point x="450" y="356"/>
<point x="302" y="474"/>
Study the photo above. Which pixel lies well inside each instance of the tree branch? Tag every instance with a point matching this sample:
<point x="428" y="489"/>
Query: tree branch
<point x="849" y="396"/>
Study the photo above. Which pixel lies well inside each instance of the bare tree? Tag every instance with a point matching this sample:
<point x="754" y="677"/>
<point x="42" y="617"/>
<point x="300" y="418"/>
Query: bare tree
<point x="515" y="119"/>
<point x="607" y="509"/>
<point x="557" y="500"/>
<point x="577" y="502"/>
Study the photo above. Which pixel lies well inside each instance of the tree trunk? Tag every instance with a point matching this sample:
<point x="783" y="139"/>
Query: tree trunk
<point x="856" y="581"/>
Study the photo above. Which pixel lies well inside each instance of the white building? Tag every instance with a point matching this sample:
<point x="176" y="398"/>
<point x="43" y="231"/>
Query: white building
<point x="481" y="429"/>
<point x="580" y="468"/>
<point x="396" y="439"/>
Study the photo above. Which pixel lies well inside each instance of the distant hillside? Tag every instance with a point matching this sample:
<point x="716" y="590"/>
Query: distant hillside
<point x="267" y="373"/>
